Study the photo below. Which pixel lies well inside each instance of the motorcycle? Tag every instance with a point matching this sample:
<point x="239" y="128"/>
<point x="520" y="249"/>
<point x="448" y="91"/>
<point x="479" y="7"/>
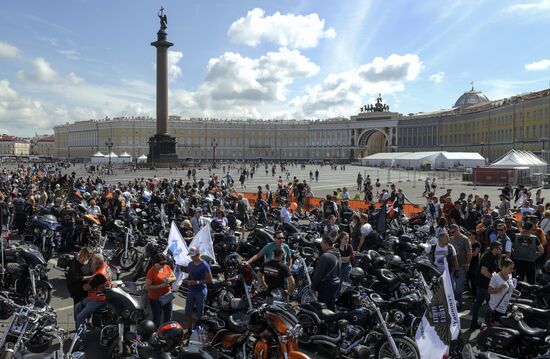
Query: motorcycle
<point x="124" y="311"/>
<point x="26" y="329"/>
<point x="47" y="233"/>
<point x="145" y="261"/>
<point x="358" y="333"/>
<point x="23" y="273"/>
<point x="270" y="331"/>
<point x="514" y="337"/>
<point x="125" y="252"/>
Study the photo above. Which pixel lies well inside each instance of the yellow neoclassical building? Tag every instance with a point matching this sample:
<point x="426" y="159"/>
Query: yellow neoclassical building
<point x="473" y="123"/>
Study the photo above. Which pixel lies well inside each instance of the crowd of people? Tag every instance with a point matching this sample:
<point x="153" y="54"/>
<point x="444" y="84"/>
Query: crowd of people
<point x="482" y="239"/>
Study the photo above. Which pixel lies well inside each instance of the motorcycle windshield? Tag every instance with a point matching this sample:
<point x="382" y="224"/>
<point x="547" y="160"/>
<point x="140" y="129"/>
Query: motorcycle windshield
<point x="121" y="300"/>
<point x="32" y="255"/>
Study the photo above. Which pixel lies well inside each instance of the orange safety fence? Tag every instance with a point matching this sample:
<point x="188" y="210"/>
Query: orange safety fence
<point x="313" y="202"/>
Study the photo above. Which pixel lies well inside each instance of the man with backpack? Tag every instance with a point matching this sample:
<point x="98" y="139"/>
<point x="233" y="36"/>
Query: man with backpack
<point x="443" y="249"/>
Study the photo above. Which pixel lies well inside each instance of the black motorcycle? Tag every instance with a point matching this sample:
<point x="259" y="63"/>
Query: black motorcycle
<point x="514" y="337"/>
<point x="358" y="333"/>
<point x="124" y="311"/>
<point x="24" y="274"/>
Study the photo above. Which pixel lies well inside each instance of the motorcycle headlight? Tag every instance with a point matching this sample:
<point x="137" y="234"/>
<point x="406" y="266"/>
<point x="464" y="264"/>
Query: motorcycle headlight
<point x="135" y="316"/>
<point x="44" y="231"/>
<point x="399" y="316"/>
<point x="37" y="230"/>
<point x="547" y="340"/>
<point x="125" y="313"/>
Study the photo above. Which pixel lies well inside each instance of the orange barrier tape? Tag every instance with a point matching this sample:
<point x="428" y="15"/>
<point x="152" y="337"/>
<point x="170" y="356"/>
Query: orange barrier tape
<point x="313" y="202"/>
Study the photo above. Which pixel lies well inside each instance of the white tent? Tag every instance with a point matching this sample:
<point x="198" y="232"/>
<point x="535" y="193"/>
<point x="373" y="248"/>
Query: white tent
<point x="446" y="160"/>
<point x="518" y="159"/>
<point x="142" y="159"/>
<point x="98" y="157"/>
<point x="124" y="157"/>
<point x="386" y="159"/>
<point x="417" y="159"/>
<point x="431" y="159"/>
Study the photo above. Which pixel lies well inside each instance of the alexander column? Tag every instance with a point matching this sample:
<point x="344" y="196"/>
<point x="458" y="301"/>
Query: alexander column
<point x="162" y="146"/>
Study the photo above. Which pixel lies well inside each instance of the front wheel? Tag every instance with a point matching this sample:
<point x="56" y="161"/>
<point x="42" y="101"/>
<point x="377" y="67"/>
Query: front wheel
<point x="309" y="326"/>
<point x="406" y="347"/>
<point x="43" y="294"/>
<point x="251" y="223"/>
<point x="129" y="260"/>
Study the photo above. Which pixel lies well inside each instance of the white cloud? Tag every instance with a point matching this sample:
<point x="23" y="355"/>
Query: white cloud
<point x="174" y="71"/>
<point x="42" y="71"/>
<point x="538" y="65"/>
<point x="292" y="31"/>
<point x="341" y="93"/>
<point x="541" y="5"/>
<point x="7" y="50"/>
<point x="70" y="54"/>
<point x="437" y="77"/>
<point x="74" y="79"/>
<point x="234" y="85"/>
<point x="6" y="92"/>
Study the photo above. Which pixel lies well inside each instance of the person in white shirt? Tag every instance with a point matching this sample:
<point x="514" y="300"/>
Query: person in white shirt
<point x="366" y="230"/>
<point x="545" y="222"/>
<point x="443" y="249"/>
<point x="501" y="288"/>
<point x="286" y="217"/>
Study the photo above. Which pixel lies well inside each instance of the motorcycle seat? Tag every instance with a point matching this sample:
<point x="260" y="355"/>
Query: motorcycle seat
<point x="524" y="286"/>
<point x="525" y="329"/>
<point x="533" y="310"/>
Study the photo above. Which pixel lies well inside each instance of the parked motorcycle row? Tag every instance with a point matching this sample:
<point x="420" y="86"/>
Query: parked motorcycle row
<point x="377" y="314"/>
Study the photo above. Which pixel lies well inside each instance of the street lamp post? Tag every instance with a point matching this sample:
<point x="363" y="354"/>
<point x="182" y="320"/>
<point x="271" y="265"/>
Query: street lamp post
<point x="482" y="151"/>
<point x="543" y="152"/>
<point x="214" y="144"/>
<point x="109" y="145"/>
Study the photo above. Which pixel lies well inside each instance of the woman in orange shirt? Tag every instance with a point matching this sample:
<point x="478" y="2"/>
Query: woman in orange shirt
<point x="158" y="284"/>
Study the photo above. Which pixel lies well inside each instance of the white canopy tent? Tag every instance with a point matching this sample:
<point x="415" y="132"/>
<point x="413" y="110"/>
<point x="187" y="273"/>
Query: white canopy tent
<point x="447" y="160"/>
<point x="431" y="159"/>
<point x="124" y="157"/>
<point x="519" y="159"/>
<point x="386" y="159"/>
<point x="142" y="159"/>
<point x="98" y="157"/>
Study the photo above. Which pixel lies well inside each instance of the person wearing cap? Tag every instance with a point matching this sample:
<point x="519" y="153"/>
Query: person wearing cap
<point x="158" y="283"/>
<point x="526" y="249"/>
<point x="489" y="263"/>
<point x="199" y="275"/>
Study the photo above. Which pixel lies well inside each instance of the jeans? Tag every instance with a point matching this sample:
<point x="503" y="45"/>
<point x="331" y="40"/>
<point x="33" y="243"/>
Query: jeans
<point x="344" y="272"/>
<point x="83" y="310"/>
<point x="327" y="294"/>
<point x="460" y="281"/>
<point x="482" y="294"/>
<point x="158" y="310"/>
<point x="67" y="233"/>
<point x="194" y="304"/>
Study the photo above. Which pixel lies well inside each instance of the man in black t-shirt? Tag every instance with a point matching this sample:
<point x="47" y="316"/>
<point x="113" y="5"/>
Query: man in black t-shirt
<point x="488" y="264"/>
<point x="275" y="274"/>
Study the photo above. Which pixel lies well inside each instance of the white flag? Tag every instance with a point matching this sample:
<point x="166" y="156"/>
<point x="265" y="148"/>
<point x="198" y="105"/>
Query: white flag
<point x="203" y="241"/>
<point x="178" y="247"/>
<point x="440" y="324"/>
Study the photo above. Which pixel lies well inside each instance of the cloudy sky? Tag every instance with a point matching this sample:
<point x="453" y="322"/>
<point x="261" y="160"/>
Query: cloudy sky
<point x="80" y="59"/>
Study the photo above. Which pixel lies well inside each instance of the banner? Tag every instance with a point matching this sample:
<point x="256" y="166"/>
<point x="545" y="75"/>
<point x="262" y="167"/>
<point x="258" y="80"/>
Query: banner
<point x="440" y="324"/>
<point x="203" y="241"/>
<point x="177" y="245"/>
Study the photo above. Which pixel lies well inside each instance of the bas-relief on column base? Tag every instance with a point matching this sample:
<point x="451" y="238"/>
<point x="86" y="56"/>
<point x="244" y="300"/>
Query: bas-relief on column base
<point x="162" y="151"/>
